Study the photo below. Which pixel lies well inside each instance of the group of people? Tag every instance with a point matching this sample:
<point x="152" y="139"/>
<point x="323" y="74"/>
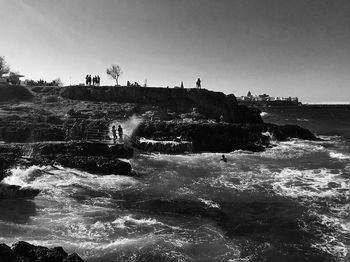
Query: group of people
<point x="120" y="134"/>
<point x="94" y="80"/>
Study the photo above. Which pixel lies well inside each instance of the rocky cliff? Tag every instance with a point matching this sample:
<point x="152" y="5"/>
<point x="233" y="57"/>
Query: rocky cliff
<point x="208" y="103"/>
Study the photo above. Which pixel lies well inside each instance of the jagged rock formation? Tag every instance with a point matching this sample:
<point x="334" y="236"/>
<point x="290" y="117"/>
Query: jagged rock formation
<point x="209" y="103"/>
<point x="91" y="157"/>
<point x="220" y="137"/>
<point x="23" y="251"/>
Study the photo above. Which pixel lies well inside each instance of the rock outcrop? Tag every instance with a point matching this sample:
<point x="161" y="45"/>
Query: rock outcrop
<point x="23" y="251"/>
<point x="208" y="103"/>
<point x="220" y="137"/>
<point x="14" y="92"/>
<point x="15" y="192"/>
<point x="90" y="157"/>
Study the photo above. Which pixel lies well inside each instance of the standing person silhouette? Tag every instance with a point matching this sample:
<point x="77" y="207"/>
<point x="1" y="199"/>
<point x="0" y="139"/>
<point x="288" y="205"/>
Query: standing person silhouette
<point x="120" y="133"/>
<point x="87" y="79"/>
<point x="114" y="132"/>
<point x="198" y="83"/>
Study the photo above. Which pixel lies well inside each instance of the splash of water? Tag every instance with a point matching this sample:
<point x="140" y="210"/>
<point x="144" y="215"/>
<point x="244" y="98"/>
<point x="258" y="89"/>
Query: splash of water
<point x="128" y="125"/>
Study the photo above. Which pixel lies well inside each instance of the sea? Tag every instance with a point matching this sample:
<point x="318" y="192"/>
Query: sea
<point x="288" y="203"/>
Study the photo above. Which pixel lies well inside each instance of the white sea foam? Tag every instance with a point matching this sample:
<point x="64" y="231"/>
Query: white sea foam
<point x="309" y="183"/>
<point x="209" y="203"/>
<point x="338" y="155"/>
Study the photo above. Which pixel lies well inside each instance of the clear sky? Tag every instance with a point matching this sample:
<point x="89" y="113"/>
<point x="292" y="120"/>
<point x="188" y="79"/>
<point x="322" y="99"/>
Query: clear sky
<point x="279" y="47"/>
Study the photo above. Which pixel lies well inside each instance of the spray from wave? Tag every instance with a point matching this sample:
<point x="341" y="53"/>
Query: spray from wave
<point x="128" y="125"/>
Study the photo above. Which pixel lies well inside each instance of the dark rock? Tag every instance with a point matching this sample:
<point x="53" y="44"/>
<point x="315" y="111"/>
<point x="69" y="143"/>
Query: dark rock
<point x="73" y="258"/>
<point x="22" y="248"/>
<point x="218" y="137"/>
<point x="295" y="131"/>
<point x="16" y="134"/>
<point x="13" y="191"/>
<point x="208" y="103"/>
<point x="82" y="149"/>
<point x="6" y="254"/>
<point x="212" y="137"/>
<point x="24" y="251"/>
<point x="11" y="92"/>
<point x="95" y="164"/>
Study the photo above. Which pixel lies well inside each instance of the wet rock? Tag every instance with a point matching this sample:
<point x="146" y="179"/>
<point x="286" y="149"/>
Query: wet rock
<point x="220" y="137"/>
<point x="295" y="131"/>
<point x="204" y="136"/>
<point x="13" y="191"/>
<point x="23" y="251"/>
<point x="6" y="254"/>
<point x="82" y="149"/>
<point x="95" y="164"/>
<point x="73" y="258"/>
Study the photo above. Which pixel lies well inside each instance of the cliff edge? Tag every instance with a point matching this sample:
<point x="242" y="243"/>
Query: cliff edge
<point x="210" y="104"/>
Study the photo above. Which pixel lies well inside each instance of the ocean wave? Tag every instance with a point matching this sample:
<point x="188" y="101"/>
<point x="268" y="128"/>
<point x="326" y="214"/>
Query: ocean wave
<point x="209" y="203"/>
<point x="52" y="178"/>
<point x="338" y="155"/>
<point x="309" y="183"/>
<point x="294" y="148"/>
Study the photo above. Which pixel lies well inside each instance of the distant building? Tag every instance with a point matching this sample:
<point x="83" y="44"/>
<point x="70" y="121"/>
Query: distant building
<point x="265" y="99"/>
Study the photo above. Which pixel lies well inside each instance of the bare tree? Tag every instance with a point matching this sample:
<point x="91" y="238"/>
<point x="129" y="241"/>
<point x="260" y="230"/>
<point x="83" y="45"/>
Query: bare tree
<point x="4" y="67"/>
<point x="114" y="72"/>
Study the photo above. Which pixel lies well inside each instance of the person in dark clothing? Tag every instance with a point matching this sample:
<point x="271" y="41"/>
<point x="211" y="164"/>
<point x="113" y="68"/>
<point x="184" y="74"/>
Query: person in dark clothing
<point x="198" y="83"/>
<point x="87" y="79"/>
<point x="223" y="158"/>
<point x="120" y="133"/>
<point x="114" y="132"/>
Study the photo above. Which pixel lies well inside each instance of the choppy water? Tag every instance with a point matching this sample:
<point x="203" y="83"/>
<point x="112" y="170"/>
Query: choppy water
<point x="289" y="203"/>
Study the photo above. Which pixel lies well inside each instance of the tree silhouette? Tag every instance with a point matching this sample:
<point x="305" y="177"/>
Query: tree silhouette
<point x="114" y="72"/>
<point x="4" y="68"/>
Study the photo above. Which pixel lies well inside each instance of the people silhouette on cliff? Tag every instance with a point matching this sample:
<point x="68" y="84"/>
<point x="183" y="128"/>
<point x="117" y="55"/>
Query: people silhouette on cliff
<point x="87" y="79"/>
<point x="198" y="83"/>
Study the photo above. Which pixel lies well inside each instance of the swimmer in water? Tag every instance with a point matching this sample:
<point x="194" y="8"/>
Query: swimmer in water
<point x="223" y="158"/>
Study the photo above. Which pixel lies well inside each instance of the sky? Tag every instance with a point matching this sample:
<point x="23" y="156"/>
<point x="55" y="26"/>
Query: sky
<point x="278" y="47"/>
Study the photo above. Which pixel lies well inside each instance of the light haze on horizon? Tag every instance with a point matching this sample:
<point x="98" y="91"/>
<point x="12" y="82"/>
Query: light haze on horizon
<point x="282" y="48"/>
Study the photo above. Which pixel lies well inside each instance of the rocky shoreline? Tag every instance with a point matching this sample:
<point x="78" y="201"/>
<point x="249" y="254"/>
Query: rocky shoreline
<point x="177" y="130"/>
<point x="23" y="251"/>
